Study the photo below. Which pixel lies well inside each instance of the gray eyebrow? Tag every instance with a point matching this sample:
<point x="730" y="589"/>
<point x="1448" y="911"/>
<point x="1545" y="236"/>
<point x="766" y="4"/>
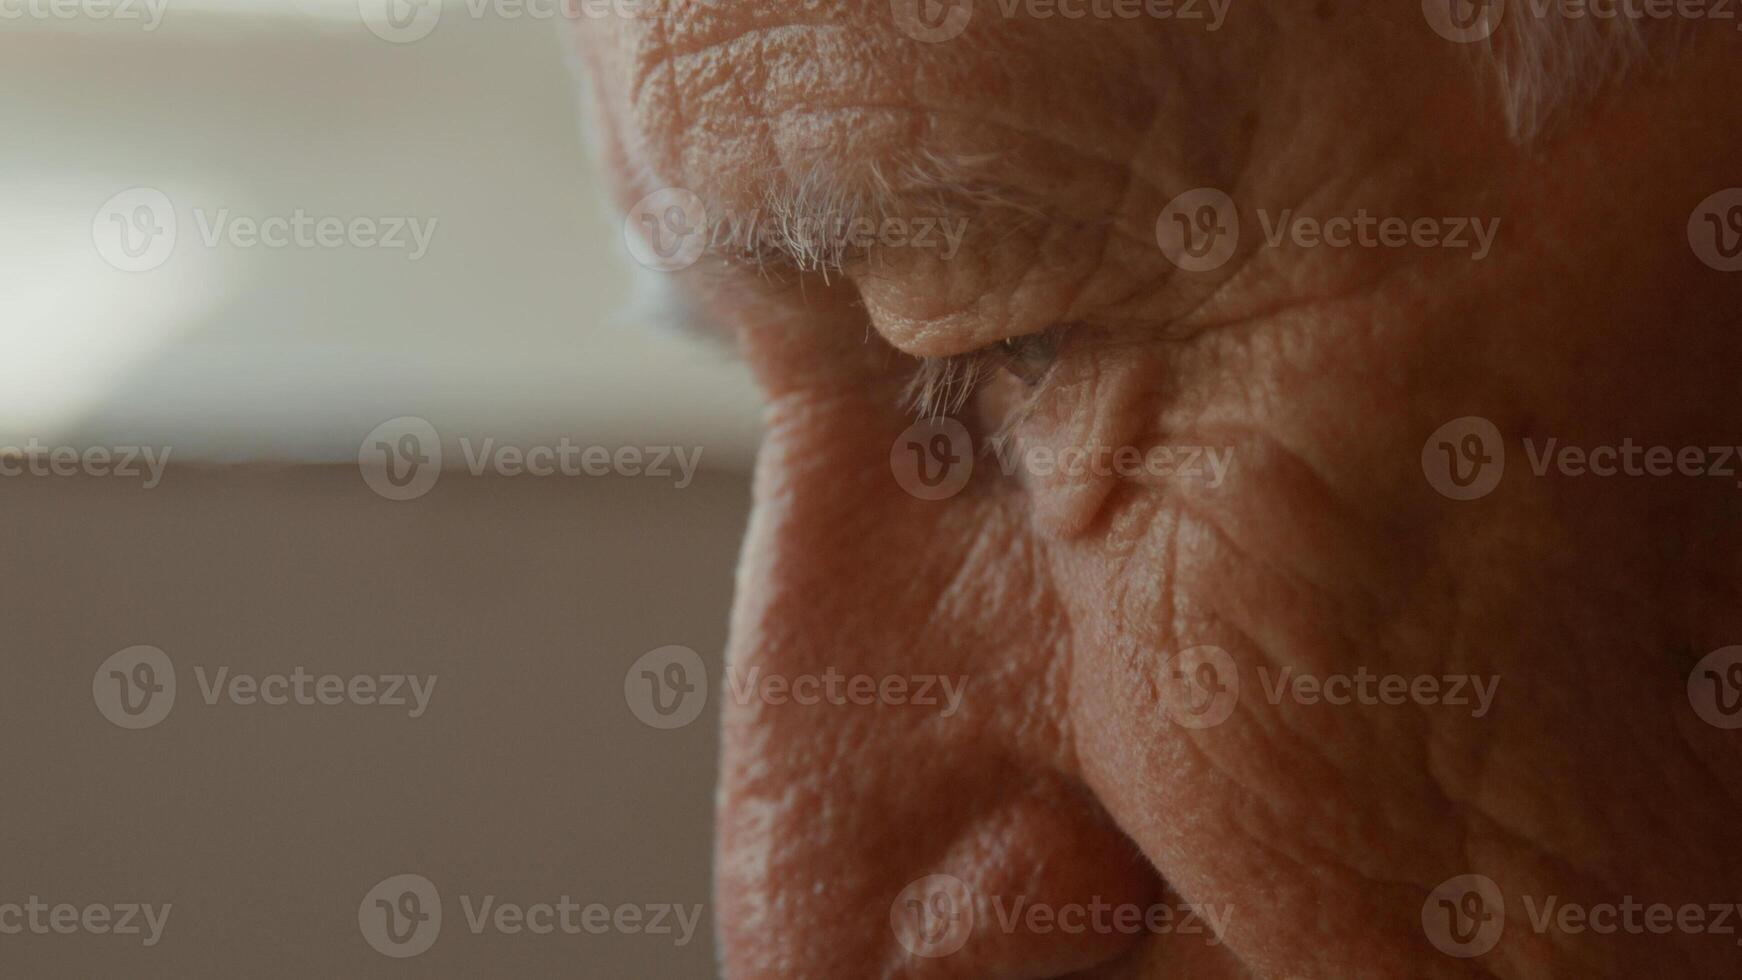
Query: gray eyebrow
<point x="823" y="216"/>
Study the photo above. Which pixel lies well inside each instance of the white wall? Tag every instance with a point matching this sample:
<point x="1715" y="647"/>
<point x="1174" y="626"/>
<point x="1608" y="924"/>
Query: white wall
<point x="505" y="328"/>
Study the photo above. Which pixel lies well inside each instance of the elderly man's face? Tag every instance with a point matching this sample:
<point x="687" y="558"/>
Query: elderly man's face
<point x="1230" y="652"/>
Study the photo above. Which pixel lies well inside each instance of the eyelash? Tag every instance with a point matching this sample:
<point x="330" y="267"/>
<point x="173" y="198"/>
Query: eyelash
<point x="942" y="385"/>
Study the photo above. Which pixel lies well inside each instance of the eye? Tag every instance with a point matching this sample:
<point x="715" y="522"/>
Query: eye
<point x="943" y="385"/>
<point x="1028" y="358"/>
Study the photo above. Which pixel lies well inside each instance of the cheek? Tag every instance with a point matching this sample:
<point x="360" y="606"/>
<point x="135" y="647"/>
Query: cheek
<point x="1159" y="676"/>
<point x="828" y="811"/>
<point x="1188" y="605"/>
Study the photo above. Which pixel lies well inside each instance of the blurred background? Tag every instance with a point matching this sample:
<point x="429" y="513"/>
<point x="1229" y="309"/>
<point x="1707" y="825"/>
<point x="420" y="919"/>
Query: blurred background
<point x="142" y="140"/>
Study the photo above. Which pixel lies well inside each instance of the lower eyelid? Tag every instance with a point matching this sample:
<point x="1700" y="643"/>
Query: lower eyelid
<point x="943" y="385"/>
<point x="946" y="385"/>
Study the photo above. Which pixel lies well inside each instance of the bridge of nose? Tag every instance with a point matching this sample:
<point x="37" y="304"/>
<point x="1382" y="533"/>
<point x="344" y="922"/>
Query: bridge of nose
<point x="896" y="710"/>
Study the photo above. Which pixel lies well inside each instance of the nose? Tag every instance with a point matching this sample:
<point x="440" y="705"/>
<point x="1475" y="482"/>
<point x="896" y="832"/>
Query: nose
<point x="899" y="791"/>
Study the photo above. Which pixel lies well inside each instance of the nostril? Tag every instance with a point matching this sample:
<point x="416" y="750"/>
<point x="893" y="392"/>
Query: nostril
<point x="1043" y="886"/>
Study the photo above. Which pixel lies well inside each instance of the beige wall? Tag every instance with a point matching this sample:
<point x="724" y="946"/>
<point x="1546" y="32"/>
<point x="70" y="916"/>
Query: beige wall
<point x="527" y="778"/>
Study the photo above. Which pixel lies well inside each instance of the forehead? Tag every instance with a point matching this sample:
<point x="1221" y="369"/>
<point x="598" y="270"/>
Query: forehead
<point x="733" y="99"/>
<point x="1090" y="126"/>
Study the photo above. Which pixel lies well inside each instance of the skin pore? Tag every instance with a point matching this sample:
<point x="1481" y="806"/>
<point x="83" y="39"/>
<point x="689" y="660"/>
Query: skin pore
<point x="1313" y="832"/>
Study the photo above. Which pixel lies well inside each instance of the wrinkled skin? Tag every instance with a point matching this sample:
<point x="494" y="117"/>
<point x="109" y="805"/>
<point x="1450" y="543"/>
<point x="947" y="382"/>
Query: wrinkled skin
<point x="1064" y="778"/>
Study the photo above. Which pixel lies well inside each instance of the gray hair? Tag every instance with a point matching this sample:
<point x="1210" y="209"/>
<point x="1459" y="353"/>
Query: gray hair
<point x="1547" y="62"/>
